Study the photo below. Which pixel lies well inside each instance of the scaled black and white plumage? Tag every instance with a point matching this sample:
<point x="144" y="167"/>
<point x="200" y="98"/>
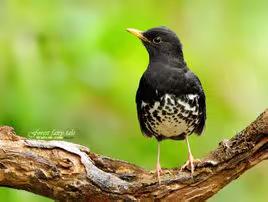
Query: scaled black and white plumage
<point x="170" y="99"/>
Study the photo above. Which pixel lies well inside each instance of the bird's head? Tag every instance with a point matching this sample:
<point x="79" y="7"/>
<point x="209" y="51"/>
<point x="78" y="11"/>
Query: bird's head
<point x="159" y="42"/>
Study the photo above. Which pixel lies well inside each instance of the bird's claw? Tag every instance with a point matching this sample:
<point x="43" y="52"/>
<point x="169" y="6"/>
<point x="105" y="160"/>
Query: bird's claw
<point x="159" y="171"/>
<point x="190" y="163"/>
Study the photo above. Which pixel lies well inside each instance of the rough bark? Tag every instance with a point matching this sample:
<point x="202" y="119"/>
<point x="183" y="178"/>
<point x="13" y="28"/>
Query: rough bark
<point x="68" y="172"/>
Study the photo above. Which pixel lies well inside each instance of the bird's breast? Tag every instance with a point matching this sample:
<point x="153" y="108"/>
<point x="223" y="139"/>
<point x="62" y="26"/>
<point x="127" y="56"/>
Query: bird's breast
<point x="171" y="116"/>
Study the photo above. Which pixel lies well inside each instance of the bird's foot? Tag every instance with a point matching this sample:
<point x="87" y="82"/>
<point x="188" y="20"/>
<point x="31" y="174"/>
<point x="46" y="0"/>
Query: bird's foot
<point x="159" y="171"/>
<point x="191" y="162"/>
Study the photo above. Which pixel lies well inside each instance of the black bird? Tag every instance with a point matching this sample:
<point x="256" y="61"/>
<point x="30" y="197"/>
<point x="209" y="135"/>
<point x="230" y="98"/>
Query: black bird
<point x="170" y="100"/>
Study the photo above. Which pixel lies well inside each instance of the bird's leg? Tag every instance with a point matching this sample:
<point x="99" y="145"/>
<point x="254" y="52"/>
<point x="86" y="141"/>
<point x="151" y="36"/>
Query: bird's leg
<point x="190" y="157"/>
<point x="158" y="166"/>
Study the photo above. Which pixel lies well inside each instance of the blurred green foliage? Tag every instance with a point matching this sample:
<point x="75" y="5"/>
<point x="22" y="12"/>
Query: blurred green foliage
<point x="71" y="65"/>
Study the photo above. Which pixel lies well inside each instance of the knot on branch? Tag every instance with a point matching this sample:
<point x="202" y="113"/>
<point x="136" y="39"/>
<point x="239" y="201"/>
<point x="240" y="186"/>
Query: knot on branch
<point x="260" y="126"/>
<point x="8" y="133"/>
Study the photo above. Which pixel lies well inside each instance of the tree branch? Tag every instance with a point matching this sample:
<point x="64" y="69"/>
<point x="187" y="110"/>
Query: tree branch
<point x="69" y="172"/>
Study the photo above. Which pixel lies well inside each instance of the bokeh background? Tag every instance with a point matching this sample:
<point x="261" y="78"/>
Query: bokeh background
<point x="71" y="65"/>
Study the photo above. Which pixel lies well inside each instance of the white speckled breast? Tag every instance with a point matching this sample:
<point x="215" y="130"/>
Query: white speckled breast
<point x="172" y="116"/>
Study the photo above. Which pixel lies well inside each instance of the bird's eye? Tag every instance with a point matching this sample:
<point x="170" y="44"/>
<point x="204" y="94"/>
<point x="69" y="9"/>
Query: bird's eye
<point x="157" y="40"/>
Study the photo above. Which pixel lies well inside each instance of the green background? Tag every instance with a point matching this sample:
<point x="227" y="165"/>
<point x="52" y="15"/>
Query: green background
<point x="71" y="65"/>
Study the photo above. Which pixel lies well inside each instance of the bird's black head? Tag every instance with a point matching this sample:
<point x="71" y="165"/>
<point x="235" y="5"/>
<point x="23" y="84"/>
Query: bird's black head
<point x="160" y="42"/>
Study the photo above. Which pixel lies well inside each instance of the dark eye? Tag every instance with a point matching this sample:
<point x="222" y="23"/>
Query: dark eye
<point x="157" y="39"/>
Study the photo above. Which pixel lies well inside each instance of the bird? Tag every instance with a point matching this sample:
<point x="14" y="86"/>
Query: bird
<point x="170" y="100"/>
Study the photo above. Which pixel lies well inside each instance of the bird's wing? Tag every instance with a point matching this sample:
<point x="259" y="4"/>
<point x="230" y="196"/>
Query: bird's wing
<point x="145" y="94"/>
<point x="202" y="106"/>
<point x="201" y="102"/>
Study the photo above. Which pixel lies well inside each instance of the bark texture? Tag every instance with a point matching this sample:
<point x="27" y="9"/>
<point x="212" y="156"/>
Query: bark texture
<point x="69" y="172"/>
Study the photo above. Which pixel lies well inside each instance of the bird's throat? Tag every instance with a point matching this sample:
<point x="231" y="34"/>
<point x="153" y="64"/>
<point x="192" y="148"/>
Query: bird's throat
<point x="168" y="60"/>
